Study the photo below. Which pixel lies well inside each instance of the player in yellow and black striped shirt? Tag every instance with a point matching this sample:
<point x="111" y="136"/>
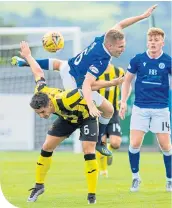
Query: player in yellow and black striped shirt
<point x="113" y="129"/>
<point x="73" y="113"/>
<point x="68" y="104"/>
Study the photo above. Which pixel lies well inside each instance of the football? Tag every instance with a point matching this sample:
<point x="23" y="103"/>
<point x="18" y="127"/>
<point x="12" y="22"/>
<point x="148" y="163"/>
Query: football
<point x="53" y="41"/>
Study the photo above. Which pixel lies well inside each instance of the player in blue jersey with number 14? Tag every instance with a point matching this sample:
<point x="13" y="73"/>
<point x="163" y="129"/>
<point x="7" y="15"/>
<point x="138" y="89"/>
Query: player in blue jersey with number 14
<point x="87" y="66"/>
<point x="150" y="111"/>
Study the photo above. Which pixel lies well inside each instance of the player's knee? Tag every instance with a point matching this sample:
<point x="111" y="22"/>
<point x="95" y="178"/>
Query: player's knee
<point x="116" y="144"/>
<point x="107" y="110"/>
<point x="135" y="144"/>
<point x="47" y="147"/>
<point x="110" y="110"/>
<point x="89" y="147"/>
<point x="166" y="147"/>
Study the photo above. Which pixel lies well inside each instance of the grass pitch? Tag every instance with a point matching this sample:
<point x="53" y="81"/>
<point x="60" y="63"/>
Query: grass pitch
<point x="66" y="185"/>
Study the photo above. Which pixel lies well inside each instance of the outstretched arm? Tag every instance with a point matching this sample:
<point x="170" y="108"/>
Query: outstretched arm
<point x="104" y="84"/>
<point x="26" y="54"/>
<point x="129" y="21"/>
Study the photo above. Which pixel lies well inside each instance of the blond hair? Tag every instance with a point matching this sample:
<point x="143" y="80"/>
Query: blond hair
<point x="113" y="35"/>
<point x="156" y="31"/>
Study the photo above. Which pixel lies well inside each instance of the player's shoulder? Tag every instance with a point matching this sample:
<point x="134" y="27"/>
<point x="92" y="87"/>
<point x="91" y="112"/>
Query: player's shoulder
<point x="139" y="55"/>
<point x="167" y="57"/>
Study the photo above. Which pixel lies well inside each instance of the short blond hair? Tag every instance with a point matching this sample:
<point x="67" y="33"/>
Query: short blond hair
<point x="156" y="31"/>
<point x="113" y="35"/>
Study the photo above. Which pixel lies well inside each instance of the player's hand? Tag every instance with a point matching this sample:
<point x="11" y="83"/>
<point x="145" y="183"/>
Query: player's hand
<point x="94" y="111"/>
<point x="25" y="50"/>
<point x="118" y="81"/>
<point x="122" y="110"/>
<point x="149" y="11"/>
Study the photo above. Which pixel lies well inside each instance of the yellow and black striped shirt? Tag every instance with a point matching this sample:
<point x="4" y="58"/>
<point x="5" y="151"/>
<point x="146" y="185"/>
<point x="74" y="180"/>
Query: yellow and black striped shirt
<point x="111" y="93"/>
<point x="68" y="104"/>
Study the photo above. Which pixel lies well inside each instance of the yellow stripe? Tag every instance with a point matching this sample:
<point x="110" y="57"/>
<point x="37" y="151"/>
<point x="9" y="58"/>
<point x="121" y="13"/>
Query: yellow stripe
<point x="112" y="75"/>
<point x="121" y="71"/>
<point x="117" y="98"/>
<point x="102" y="90"/>
<point x="72" y="99"/>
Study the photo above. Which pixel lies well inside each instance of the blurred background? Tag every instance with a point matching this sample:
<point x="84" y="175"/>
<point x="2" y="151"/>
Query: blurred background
<point x="79" y="23"/>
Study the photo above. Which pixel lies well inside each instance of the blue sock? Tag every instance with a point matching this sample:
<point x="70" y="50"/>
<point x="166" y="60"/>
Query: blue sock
<point x="134" y="158"/>
<point x="167" y="162"/>
<point x="103" y="122"/>
<point x="102" y="128"/>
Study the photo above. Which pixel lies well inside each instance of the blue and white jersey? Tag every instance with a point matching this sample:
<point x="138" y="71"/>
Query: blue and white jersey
<point x="94" y="59"/>
<point x="152" y="80"/>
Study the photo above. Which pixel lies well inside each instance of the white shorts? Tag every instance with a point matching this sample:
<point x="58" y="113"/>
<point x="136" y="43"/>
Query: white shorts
<point x="70" y="83"/>
<point x="148" y="119"/>
<point x="67" y="80"/>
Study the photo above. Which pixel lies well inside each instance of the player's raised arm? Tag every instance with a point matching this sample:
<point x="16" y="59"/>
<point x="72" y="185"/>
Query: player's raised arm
<point x="26" y="54"/>
<point x="129" y="21"/>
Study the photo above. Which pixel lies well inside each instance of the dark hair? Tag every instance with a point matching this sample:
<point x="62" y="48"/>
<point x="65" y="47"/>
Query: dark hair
<point x="39" y="100"/>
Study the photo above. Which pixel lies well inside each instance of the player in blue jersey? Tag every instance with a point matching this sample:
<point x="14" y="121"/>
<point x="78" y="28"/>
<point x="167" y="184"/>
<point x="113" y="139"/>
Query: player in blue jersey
<point x="87" y="66"/>
<point x="150" y="111"/>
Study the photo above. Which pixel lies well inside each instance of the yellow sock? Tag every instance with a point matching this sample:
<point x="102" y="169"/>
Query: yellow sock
<point x="102" y="161"/>
<point x="42" y="167"/>
<point x="91" y="170"/>
<point x="110" y="147"/>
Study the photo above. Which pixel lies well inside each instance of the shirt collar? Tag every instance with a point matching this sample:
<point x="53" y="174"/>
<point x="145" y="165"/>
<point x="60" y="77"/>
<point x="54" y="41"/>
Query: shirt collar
<point x="156" y="57"/>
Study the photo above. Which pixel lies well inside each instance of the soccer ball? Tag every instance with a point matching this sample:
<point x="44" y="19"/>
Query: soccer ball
<point x="53" y="41"/>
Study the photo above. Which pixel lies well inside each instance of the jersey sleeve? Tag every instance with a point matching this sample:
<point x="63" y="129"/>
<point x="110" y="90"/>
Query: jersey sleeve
<point x="40" y="84"/>
<point x="133" y="66"/>
<point x="97" y="68"/>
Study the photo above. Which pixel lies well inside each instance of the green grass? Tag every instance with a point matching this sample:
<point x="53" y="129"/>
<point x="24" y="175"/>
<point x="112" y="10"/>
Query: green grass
<point x="66" y="185"/>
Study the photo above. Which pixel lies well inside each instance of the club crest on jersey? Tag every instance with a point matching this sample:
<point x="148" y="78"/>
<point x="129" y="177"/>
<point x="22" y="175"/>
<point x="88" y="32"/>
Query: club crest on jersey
<point x="94" y="69"/>
<point x="161" y="65"/>
<point x="129" y="66"/>
<point x="144" y="63"/>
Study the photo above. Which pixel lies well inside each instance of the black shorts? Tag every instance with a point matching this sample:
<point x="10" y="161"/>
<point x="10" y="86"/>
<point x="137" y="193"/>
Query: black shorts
<point x="88" y="129"/>
<point x="113" y="128"/>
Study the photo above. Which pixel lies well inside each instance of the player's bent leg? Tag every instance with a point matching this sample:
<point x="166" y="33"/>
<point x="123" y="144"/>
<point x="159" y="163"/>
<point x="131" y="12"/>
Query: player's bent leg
<point x="115" y="142"/>
<point x="165" y="145"/>
<point x="91" y="169"/>
<point x="43" y="165"/>
<point x="107" y="111"/>
<point x="136" y="138"/>
<point x="106" y="108"/>
<point x="67" y="80"/>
